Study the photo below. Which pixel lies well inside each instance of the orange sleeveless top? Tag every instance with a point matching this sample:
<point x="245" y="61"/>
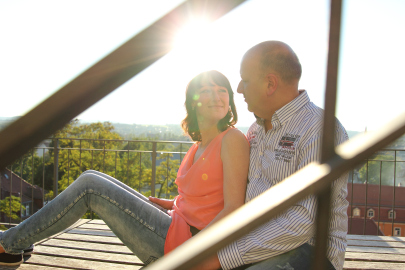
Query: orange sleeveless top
<point x="200" y="198"/>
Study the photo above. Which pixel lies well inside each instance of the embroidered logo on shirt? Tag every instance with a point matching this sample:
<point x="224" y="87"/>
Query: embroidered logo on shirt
<point x="286" y="147"/>
<point x="253" y="139"/>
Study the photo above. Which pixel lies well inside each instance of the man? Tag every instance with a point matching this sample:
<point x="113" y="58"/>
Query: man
<point x="285" y="138"/>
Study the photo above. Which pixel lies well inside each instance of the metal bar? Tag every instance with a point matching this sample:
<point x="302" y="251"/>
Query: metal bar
<point x="115" y="168"/>
<point x="393" y="206"/>
<point x="328" y="139"/>
<point x="351" y="205"/>
<point x="128" y="166"/>
<point x="103" y="158"/>
<point x="125" y="62"/>
<point x="21" y="184"/>
<point x="365" y="207"/>
<point x="153" y="180"/>
<point x="11" y="189"/>
<point x="68" y="167"/>
<point x="55" y="167"/>
<point x="43" y="177"/>
<point x="32" y="181"/>
<point x="140" y="172"/>
<point x="80" y="157"/>
<point x="379" y="199"/>
<point x="167" y="176"/>
<point x="312" y="179"/>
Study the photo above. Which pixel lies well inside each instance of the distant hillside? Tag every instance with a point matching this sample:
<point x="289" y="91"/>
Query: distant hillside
<point x="173" y="132"/>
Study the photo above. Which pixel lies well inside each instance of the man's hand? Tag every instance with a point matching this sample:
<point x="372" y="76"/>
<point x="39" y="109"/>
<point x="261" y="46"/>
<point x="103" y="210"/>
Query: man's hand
<point x="209" y="264"/>
<point x="166" y="204"/>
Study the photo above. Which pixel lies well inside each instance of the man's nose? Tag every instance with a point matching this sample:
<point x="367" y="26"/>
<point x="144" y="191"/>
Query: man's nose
<point x="240" y="87"/>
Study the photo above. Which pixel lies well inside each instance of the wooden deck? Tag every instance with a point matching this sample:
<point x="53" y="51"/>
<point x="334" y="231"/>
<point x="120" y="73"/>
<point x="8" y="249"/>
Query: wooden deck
<point x="90" y="244"/>
<point x="375" y="252"/>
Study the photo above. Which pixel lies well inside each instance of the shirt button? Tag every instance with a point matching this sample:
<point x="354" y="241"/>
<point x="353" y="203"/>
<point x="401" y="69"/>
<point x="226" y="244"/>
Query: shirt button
<point x="256" y="176"/>
<point x="261" y="153"/>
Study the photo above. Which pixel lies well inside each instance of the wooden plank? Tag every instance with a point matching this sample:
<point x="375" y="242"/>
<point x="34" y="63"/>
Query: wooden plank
<point x="96" y="221"/>
<point x="380" y="250"/>
<point x="353" y="265"/>
<point x="376" y="244"/>
<point x="90" y="238"/>
<point x="88" y="246"/>
<point x="26" y="266"/>
<point x="375" y="238"/>
<point x="87" y="255"/>
<point x="93" y="226"/>
<point x="52" y="261"/>
<point x="357" y="256"/>
<point x="91" y="232"/>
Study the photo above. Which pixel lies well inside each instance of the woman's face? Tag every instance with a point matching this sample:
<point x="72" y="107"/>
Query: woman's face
<point x="211" y="103"/>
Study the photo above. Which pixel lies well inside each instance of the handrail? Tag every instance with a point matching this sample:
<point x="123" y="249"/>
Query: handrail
<point x="102" y="78"/>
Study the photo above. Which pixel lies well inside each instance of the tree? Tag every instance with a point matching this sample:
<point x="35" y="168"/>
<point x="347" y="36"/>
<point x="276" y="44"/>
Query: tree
<point x="11" y="207"/>
<point x="90" y="152"/>
<point x="166" y="174"/>
<point x="384" y="161"/>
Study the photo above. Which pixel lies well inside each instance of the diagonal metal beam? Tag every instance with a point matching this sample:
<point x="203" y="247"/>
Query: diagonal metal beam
<point x="104" y="77"/>
<point x="311" y="179"/>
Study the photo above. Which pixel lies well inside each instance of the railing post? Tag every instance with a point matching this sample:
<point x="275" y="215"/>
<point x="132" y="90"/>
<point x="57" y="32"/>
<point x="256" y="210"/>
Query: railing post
<point x="154" y="154"/>
<point x="55" y="167"/>
<point x="328" y="136"/>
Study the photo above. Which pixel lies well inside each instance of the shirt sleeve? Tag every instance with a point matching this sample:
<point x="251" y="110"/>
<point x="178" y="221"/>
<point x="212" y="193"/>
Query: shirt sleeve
<point x="286" y="231"/>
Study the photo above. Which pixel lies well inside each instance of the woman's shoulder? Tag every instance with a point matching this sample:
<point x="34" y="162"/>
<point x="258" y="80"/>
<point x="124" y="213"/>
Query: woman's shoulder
<point x="234" y="136"/>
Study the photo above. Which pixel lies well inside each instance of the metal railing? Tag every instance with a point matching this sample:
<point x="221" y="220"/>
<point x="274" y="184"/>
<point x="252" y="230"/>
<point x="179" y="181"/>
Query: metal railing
<point x="140" y="164"/>
<point x="144" y="49"/>
<point x="147" y="164"/>
<point x="373" y="189"/>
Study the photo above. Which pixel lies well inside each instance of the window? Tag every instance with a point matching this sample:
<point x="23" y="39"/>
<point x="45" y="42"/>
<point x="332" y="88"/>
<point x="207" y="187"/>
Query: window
<point x="392" y="214"/>
<point x="356" y="212"/>
<point x="397" y="231"/>
<point x="370" y="213"/>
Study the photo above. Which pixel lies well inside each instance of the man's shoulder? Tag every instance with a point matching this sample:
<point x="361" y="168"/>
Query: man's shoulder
<point x="314" y="122"/>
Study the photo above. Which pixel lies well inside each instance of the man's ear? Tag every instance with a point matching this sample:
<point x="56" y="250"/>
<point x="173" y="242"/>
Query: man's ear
<point x="272" y="83"/>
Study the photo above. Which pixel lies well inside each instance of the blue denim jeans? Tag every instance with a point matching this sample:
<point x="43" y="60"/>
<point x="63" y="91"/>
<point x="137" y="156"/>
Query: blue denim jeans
<point x="141" y="226"/>
<point x="296" y="259"/>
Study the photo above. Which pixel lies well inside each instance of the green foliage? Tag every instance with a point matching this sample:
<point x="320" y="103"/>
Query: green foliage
<point x="11" y="207"/>
<point x="382" y="163"/>
<point x="166" y="174"/>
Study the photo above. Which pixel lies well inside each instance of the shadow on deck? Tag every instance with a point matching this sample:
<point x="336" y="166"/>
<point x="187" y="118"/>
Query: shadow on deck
<point x="90" y="244"/>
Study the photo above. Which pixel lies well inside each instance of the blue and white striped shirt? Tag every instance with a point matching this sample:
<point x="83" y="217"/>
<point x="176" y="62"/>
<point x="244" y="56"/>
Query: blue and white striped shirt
<point x="292" y="143"/>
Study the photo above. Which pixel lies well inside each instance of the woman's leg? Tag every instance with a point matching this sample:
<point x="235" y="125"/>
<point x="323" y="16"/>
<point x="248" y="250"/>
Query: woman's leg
<point x="141" y="226"/>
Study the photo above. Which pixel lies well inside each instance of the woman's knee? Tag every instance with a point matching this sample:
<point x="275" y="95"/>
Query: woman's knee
<point x="89" y="178"/>
<point x="89" y="171"/>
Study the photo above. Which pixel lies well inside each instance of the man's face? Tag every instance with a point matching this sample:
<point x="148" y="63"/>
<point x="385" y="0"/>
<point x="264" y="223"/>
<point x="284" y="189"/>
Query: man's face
<point x="253" y="85"/>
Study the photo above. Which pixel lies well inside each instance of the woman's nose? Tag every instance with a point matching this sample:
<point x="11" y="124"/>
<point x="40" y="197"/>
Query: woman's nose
<point x="215" y="95"/>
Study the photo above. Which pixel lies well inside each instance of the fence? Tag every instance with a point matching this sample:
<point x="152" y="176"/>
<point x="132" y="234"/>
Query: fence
<point x="376" y="188"/>
<point x="147" y="166"/>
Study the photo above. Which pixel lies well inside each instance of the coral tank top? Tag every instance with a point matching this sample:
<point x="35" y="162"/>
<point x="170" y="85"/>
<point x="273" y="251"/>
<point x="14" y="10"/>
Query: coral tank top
<point x="200" y="198"/>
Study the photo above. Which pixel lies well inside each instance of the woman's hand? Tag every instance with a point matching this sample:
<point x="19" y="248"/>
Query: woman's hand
<point x="166" y="204"/>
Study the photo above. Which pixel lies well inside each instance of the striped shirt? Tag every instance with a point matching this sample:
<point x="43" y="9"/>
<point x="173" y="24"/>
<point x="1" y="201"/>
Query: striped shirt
<point x="292" y="143"/>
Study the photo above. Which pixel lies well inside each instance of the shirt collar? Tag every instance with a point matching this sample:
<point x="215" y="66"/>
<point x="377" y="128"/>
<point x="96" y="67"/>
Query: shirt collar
<point x="285" y="113"/>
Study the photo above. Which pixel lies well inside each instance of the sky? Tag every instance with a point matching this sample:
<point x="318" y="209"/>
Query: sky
<point x="45" y="44"/>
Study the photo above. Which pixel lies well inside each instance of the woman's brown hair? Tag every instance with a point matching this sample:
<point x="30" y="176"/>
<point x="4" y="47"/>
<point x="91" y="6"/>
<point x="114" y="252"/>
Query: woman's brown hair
<point x="190" y="124"/>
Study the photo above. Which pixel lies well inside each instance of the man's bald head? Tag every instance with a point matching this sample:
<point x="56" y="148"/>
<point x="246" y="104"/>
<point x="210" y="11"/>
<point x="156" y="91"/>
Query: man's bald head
<point x="278" y="57"/>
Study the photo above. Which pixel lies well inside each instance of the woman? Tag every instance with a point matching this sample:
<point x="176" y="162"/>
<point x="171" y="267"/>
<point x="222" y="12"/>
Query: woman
<point x="211" y="179"/>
